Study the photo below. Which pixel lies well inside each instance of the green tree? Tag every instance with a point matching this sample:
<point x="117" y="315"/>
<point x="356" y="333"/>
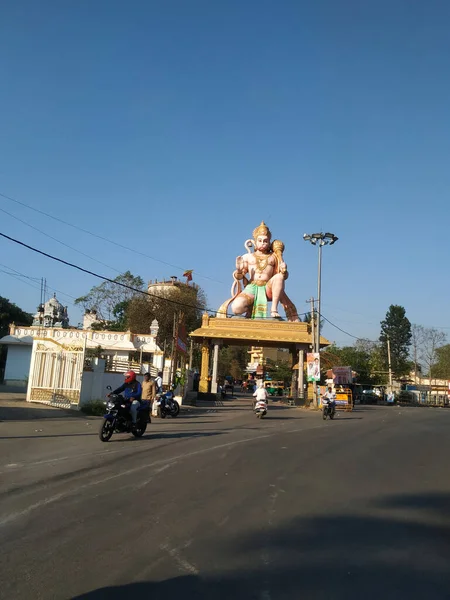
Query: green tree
<point x="350" y="356"/>
<point x="441" y="367"/>
<point x="163" y="306"/>
<point x="232" y="361"/>
<point x="11" y="313"/>
<point x="110" y="299"/>
<point x="279" y="371"/>
<point x="363" y="357"/>
<point x="397" y="328"/>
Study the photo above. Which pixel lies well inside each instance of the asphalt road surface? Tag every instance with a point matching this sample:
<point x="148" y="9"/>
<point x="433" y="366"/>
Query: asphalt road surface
<point x="222" y="505"/>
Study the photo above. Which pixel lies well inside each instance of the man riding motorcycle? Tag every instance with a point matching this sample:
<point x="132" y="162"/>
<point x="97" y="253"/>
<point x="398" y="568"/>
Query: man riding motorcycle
<point x="132" y="392"/>
<point x="330" y="398"/>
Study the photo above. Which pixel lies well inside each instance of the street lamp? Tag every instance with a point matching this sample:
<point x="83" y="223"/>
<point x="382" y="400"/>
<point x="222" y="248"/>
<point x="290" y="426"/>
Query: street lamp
<point x="320" y="239"/>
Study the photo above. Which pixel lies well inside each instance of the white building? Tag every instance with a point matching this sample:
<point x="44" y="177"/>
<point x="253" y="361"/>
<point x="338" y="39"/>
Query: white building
<point x="120" y="350"/>
<point x="51" y="314"/>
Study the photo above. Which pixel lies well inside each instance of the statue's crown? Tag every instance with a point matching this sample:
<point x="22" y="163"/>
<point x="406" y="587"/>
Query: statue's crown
<point x="261" y="230"/>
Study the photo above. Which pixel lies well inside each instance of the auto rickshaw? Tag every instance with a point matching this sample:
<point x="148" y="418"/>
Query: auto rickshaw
<point x="274" y="388"/>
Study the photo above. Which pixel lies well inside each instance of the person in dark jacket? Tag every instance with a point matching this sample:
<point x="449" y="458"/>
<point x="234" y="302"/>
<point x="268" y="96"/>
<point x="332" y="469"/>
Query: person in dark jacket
<point x="132" y="392"/>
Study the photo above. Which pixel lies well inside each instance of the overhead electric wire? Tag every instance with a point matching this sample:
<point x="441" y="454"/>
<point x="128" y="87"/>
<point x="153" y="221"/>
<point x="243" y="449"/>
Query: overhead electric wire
<point x="105" y="239"/>
<point x="124" y="285"/>
<point x="36" y="279"/>
<point x="321" y="316"/>
<point x="59" y="241"/>
<point x="19" y="273"/>
<point x="19" y="278"/>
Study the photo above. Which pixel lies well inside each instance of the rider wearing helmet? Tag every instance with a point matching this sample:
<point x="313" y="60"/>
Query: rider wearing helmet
<point x="132" y="391"/>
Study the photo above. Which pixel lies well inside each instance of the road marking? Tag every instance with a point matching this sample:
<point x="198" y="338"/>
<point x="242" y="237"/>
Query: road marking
<point x="139" y="486"/>
<point x="161" y="469"/>
<point x="59" y="459"/>
<point x="223" y="521"/>
<point x="51" y="499"/>
<point x="183" y="563"/>
<point x="26" y="511"/>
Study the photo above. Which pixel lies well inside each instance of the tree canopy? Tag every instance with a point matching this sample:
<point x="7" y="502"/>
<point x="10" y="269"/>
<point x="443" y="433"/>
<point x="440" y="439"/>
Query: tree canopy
<point x="363" y="358"/>
<point x="397" y="328"/>
<point x="110" y="299"/>
<point x="441" y="367"/>
<point x="121" y="308"/>
<point x="11" y="313"/>
<point x="232" y="361"/>
<point x="187" y="299"/>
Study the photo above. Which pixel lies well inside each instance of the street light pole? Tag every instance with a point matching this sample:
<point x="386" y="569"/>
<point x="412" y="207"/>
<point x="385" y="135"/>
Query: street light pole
<point x="319" y="283"/>
<point x="320" y="239"/>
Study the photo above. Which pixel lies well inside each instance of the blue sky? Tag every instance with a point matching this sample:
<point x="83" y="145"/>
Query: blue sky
<point x="175" y="127"/>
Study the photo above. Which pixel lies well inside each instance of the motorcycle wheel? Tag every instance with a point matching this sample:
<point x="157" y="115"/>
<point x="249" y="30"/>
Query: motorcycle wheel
<point x="176" y="409"/>
<point x="162" y="414"/>
<point x="106" y="430"/>
<point x="331" y="415"/>
<point x="324" y="415"/>
<point x="262" y="415"/>
<point x="139" y="430"/>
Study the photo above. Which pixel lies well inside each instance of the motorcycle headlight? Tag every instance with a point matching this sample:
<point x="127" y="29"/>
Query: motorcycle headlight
<point x="110" y="405"/>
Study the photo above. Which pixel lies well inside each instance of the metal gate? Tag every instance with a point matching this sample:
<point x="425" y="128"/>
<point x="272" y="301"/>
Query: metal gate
<point x="55" y="374"/>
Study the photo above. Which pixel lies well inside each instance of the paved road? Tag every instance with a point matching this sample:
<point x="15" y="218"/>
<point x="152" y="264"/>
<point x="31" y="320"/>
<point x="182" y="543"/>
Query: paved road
<point x="222" y="505"/>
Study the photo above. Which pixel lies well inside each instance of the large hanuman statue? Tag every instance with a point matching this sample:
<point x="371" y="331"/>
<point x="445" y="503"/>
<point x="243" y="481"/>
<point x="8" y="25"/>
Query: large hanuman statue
<point x="259" y="277"/>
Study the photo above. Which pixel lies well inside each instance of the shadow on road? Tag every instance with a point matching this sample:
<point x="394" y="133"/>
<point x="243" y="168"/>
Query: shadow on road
<point x="55" y="435"/>
<point x="167" y="436"/>
<point x="24" y="411"/>
<point x="340" y="556"/>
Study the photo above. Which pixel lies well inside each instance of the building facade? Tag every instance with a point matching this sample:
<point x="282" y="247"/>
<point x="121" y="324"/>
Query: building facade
<point x="120" y="350"/>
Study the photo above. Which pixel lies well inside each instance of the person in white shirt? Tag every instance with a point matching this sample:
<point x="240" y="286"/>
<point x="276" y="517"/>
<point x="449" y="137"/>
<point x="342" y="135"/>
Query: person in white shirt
<point x="330" y="398"/>
<point x="159" y="383"/>
<point x="260" y="394"/>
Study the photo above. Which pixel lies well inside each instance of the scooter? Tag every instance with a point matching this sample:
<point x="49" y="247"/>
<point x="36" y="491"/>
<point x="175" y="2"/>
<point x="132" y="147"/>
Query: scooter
<point x="260" y="409"/>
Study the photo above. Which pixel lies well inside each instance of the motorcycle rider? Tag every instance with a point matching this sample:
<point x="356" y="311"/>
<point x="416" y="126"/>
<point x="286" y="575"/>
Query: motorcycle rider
<point x="132" y="392"/>
<point x="330" y="399"/>
<point x="260" y="394"/>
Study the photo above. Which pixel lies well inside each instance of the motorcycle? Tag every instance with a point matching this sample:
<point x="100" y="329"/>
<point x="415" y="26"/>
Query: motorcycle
<point x="328" y="410"/>
<point x="118" y="418"/>
<point x="167" y="404"/>
<point x="260" y="409"/>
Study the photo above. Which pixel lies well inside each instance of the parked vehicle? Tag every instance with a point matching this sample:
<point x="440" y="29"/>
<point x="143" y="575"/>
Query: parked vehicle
<point x="369" y="397"/>
<point x="328" y="409"/>
<point x="260" y="408"/>
<point x="274" y="388"/>
<point x="168" y="406"/>
<point x="118" y="418"/>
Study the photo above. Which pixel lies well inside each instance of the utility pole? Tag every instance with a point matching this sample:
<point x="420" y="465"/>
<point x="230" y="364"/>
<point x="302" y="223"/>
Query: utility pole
<point x="389" y="361"/>
<point x="313" y="337"/>
<point x="191" y="350"/>
<point x="174" y="348"/>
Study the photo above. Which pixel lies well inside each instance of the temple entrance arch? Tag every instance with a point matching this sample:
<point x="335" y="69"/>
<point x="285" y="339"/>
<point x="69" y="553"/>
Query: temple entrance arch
<point x="294" y="336"/>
